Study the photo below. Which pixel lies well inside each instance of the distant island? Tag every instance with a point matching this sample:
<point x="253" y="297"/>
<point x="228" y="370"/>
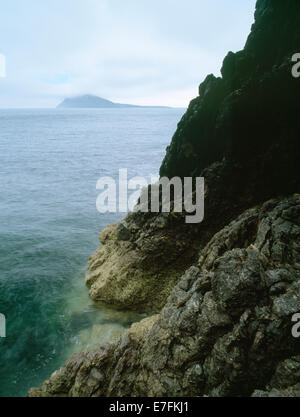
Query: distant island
<point x="89" y="101"/>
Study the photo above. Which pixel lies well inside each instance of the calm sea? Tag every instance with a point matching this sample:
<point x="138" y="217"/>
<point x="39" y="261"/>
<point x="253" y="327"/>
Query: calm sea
<point x="50" y="161"/>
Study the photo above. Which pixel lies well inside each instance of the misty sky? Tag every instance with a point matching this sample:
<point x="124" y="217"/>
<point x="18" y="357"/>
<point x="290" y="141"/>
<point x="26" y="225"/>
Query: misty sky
<point x="133" y="51"/>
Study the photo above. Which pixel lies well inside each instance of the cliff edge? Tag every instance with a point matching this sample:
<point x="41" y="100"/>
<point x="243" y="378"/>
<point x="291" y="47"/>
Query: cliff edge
<point x="225" y="290"/>
<point x="241" y="134"/>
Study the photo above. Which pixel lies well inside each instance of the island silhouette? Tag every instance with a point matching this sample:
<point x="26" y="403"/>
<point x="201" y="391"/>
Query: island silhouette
<point x="91" y="101"/>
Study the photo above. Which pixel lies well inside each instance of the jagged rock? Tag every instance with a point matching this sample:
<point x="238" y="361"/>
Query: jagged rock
<point x="123" y="233"/>
<point x="241" y="135"/>
<point x="230" y="285"/>
<point x="285" y="381"/>
<point x="243" y="113"/>
<point x="223" y="331"/>
<point x="137" y="267"/>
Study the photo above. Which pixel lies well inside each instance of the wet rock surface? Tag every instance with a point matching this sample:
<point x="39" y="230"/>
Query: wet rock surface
<point x="225" y="329"/>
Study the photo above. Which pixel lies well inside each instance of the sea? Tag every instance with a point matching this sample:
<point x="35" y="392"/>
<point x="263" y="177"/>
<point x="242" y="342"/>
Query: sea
<point x="50" y="162"/>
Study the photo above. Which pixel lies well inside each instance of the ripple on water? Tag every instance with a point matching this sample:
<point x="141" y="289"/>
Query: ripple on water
<point x="91" y="324"/>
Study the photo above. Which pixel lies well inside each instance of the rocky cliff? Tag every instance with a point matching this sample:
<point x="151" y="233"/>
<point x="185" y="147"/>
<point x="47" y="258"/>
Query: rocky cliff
<point x="225" y="289"/>
<point x="241" y="134"/>
<point x="225" y="329"/>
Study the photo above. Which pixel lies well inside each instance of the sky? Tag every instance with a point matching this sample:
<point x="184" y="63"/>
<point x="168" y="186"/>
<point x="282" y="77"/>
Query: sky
<point x="147" y="52"/>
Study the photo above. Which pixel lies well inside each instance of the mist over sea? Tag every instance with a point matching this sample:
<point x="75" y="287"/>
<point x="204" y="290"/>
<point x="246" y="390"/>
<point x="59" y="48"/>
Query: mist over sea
<point x="50" y="161"/>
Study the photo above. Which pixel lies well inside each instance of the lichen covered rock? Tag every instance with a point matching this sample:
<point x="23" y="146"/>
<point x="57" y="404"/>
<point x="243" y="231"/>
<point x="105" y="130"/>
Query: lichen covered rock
<point x="137" y="267"/>
<point x="226" y="327"/>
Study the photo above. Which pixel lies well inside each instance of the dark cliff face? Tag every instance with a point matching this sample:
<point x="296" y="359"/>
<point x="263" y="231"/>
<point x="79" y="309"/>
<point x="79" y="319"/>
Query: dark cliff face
<point x="246" y="121"/>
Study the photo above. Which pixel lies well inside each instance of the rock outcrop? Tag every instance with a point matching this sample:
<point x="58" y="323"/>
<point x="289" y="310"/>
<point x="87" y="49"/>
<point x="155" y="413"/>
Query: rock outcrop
<point x="140" y="261"/>
<point x="241" y="135"/>
<point x="226" y="327"/>
<point x="225" y="289"/>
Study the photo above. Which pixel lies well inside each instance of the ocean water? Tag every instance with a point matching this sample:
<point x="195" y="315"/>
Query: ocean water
<point x="50" y="161"/>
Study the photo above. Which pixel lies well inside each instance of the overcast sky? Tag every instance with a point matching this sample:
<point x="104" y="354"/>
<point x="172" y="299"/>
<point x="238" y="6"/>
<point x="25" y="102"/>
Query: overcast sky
<point x="133" y="51"/>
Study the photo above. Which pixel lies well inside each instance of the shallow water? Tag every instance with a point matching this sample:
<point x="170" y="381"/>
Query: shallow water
<point x="49" y="225"/>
